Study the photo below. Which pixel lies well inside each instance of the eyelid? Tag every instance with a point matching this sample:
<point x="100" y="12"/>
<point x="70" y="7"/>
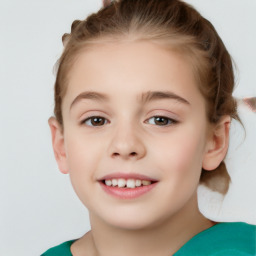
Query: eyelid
<point x="163" y="113"/>
<point x="90" y="114"/>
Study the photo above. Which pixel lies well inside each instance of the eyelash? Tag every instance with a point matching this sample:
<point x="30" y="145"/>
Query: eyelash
<point x="169" y="120"/>
<point x="94" y="117"/>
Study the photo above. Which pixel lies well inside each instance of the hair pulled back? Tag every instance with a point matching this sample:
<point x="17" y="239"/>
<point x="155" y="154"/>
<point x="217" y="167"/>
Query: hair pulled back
<point x="172" y="24"/>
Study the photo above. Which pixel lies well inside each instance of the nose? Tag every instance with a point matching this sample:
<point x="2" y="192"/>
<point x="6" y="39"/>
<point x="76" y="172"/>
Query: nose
<point x="127" y="144"/>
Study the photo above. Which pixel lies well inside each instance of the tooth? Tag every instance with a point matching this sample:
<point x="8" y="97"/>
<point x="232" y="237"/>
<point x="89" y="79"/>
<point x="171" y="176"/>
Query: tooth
<point x="130" y="183"/>
<point x="121" y="183"/>
<point x="114" y="182"/>
<point x="138" y="183"/>
<point x="108" y="182"/>
<point x="146" y="182"/>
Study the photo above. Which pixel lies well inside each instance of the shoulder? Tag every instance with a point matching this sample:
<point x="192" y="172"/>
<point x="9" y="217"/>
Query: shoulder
<point x="233" y="238"/>
<point x="227" y="238"/>
<point x="62" y="249"/>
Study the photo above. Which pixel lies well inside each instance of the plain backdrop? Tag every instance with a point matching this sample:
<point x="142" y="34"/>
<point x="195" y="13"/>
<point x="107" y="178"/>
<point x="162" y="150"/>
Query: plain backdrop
<point x="38" y="208"/>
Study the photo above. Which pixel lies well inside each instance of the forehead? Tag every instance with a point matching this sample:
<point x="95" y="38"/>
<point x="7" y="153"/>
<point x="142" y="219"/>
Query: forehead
<point x="130" y="67"/>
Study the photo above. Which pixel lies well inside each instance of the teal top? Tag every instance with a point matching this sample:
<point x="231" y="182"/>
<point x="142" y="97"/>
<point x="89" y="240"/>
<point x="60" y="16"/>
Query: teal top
<point x="222" y="239"/>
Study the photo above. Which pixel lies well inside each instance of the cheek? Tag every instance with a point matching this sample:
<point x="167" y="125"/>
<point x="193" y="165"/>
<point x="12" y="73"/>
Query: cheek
<point x="182" y="153"/>
<point x="83" y="156"/>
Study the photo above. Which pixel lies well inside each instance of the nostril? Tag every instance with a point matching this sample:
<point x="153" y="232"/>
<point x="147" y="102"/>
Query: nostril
<point x="132" y="154"/>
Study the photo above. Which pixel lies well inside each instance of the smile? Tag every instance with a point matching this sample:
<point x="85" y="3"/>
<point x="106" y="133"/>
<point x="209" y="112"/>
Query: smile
<point x="127" y="186"/>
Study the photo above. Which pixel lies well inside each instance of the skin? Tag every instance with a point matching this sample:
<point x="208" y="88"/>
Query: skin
<point x="130" y="140"/>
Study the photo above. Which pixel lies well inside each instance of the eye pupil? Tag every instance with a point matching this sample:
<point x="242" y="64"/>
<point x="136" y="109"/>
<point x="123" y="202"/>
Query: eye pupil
<point x="161" y="120"/>
<point x="97" y="121"/>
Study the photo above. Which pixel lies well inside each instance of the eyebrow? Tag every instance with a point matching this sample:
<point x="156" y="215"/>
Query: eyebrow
<point x="90" y="95"/>
<point x="158" y="95"/>
<point x="145" y="97"/>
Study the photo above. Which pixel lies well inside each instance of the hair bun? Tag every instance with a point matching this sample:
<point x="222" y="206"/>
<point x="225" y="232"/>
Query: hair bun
<point x="65" y="39"/>
<point x="217" y="180"/>
<point x="251" y="103"/>
<point x="106" y="3"/>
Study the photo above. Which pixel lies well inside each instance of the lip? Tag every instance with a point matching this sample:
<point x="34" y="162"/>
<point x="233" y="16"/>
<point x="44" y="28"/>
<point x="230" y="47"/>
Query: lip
<point x="127" y="193"/>
<point x="119" y="175"/>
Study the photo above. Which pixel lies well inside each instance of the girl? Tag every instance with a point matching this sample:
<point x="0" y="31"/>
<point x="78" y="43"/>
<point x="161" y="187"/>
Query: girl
<point x="143" y="106"/>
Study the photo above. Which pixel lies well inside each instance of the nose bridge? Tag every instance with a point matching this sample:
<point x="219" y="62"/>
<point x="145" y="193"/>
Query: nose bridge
<point x="127" y="141"/>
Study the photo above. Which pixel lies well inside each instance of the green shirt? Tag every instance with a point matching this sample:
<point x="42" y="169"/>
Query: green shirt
<point x="222" y="239"/>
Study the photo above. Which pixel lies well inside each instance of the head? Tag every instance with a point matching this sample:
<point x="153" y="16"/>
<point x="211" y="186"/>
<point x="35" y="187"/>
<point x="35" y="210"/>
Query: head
<point x="200" y="66"/>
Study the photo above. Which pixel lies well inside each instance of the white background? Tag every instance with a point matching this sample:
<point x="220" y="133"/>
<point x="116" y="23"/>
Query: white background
<point x="38" y="206"/>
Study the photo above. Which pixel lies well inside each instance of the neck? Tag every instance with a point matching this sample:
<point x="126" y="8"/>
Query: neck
<point x="164" y="238"/>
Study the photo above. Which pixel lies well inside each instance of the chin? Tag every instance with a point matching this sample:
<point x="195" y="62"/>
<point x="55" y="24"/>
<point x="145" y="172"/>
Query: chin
<point x="128" y="224"/>
<point x="133" y="220"/>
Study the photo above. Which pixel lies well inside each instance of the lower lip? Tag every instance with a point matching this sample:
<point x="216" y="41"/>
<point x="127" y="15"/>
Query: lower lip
<point x="127" y="193"/>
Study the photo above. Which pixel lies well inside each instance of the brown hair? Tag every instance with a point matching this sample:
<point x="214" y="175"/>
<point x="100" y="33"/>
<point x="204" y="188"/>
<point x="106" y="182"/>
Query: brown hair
<point x="175" y="25"/>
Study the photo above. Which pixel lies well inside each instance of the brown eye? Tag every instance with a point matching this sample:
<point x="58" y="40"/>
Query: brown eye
<point x="161" y="121"/>
<point x="95" y="121"/>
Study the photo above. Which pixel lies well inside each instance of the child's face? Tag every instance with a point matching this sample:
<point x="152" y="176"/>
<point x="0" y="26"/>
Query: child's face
<point x="129" y="85"/>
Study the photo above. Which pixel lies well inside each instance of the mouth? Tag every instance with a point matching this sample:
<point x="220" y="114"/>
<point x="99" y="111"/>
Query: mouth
<point x="127" y="183"/>
<point x="127" y="186"/>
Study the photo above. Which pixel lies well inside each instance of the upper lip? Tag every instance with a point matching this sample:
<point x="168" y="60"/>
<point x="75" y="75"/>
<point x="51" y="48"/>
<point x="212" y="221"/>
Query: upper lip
<point x="120" y="175"/>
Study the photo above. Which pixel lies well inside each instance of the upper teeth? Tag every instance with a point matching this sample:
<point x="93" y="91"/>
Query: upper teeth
<point x="129" y="183"/>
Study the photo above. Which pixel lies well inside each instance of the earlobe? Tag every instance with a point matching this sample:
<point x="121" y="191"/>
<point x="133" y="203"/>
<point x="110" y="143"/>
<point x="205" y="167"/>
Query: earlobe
<point x="58" y="144"/>
<point x="217" y="145"/>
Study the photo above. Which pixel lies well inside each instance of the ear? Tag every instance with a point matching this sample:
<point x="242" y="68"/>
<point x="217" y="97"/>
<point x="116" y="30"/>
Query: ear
<point x="217" y="145"/>
<point x="58" y="144"/>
